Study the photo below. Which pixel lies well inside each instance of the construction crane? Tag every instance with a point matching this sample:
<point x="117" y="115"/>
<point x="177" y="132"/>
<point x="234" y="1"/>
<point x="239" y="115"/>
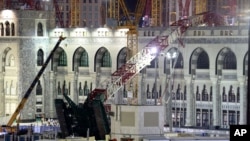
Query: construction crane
<point x="33" y="84"/>
<point x="132" y="23"/>
<point x="90" y="118"/>
<point x="142" y="58"/>
<point x="59" y="14"/>
<point x="184" y="10"/>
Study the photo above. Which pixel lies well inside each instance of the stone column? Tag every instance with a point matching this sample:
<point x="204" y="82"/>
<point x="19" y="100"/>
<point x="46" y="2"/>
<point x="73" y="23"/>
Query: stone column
<point x="189" y="121"/>
<point x="142" y="97"/>
<point x="72" y="87"/>
<point x="2" y="96"/>
<point x="243" y="102"/>
<point x="75" y="88"/>
<point x="215" y="102"/>
<point x="193" y="101"/>
<point x="52" y="94"/>
<point x="218" y="101"/>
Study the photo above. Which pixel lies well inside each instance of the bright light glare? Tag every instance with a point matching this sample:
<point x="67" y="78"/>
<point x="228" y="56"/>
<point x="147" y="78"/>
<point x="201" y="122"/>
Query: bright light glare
<point x="171" y="55"/>
<point x="7" y="14"/>
<point x="154" y="50"/>
<point x="174" y="55"/>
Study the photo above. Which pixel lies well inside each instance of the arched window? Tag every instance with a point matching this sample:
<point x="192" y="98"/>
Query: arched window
<point x="179" y="62"/>
<point x="62" y="59"/>
<point x="59" y="89"/>
<point x="231" y="95"/>
<point x="39" y="29"/>
<point x="39" y="57"/>
<point x="153" y="64"/>
<point x="178" y="93"/>
<point x="211" y="94"/>
<point x="7" y="28"/>
<point x="204" y="94"/>
<point x="39" y="88"/>
<point x="2" y="29"/>
<point x="80" y="89"/>
<point x="148" y="92"/>
<point x="224" y="96"/>
<point x="106" y="59"/>
<point x="12" y="29"/>
<point x="229" y="61"/>
<point x="85" y="89"/>
<point x="203" y="61"/>
<point x="198" y="95"/>
<point x="238" y="94"/>
<point x="84" y="60"/>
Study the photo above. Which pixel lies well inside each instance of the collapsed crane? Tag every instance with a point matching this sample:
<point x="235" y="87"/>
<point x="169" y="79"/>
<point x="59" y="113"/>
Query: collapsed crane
<point x="90" y="119"/>
<point x="140" y="60"/>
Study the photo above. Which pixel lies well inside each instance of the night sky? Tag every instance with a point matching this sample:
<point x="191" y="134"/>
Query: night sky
<point x="131" y="5"/>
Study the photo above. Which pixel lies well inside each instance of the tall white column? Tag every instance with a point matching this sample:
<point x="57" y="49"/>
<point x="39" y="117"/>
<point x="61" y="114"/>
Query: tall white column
<point x="73" y="92"/>
<point x="219" y="101"/>
<point x="215" y="102"/>
<point x="52" y="94"/>
<point x="243" y="102"/>
<point x="189" y="102"/>
<point x="2" y="97"/>
<point x="76" y="88"/>
<point x="142" y="89"/>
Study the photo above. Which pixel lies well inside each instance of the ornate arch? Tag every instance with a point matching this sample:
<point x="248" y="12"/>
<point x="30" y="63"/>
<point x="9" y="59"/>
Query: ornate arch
<point x="5" y="52"/>
<point x="98" y="58"/>
<point x="193" y="60"/>
<point x="55" y="58"/>
<point x="121" y="58"/>
<point x="77" y="57"/>
<point x="220" y="60"/>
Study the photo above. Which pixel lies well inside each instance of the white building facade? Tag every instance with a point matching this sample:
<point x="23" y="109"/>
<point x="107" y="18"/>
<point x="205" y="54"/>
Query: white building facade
<point x="207" y="83"/>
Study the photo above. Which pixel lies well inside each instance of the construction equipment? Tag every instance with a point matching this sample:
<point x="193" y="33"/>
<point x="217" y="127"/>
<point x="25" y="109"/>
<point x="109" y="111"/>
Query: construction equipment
<point x="184" y="10"/>
<point x="141" y="59"/>
<point x="59" y="14"/>
<point x="132" y="23"/>
<point x="8" y="127"/>
<point x="90" y="119"/>
<point x="85" y="120"/>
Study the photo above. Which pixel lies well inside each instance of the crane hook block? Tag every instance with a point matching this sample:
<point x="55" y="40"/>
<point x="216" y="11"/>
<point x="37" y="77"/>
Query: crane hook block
<point x="62" y="38"/>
